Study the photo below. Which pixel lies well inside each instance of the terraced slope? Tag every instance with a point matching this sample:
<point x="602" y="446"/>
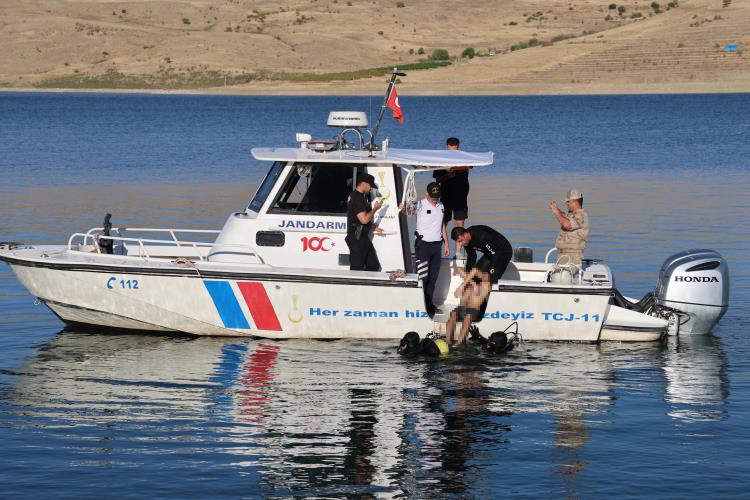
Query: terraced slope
<point x="677" y="46"/>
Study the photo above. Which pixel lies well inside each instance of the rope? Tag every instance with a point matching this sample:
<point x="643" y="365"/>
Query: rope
<point x="410" y="191"/>
<point x="183" y="262"/>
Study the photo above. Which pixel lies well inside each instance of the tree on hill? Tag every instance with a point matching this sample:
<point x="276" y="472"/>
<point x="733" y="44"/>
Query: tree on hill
<point x="440" y="55"/>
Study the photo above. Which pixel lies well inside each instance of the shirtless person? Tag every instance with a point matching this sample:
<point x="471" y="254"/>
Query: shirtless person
<point x="473" y="292"/>
<point x="496" y="253"/>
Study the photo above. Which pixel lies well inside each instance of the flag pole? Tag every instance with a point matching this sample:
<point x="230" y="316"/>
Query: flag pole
<point x="394" y="74"/>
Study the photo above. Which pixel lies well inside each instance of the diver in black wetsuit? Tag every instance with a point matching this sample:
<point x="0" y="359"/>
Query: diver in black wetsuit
<point x="496" y="250"/>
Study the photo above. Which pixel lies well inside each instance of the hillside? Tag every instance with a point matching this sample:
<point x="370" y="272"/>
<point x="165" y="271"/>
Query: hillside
<point x="332" y="46"/>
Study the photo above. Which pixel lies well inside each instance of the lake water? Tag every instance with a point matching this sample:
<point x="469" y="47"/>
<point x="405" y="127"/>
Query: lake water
<point x="101" y="415"/>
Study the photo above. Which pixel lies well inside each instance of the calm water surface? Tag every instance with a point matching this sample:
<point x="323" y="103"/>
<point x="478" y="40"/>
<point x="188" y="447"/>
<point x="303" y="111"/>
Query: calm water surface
<point x="87" y="415"/>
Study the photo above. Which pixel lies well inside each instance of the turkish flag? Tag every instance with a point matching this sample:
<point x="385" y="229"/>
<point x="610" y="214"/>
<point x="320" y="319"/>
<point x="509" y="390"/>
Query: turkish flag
<point x="395" y="106"/>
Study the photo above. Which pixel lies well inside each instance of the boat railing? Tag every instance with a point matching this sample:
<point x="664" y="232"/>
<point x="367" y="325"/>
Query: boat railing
<point x="93" y="238"/>
<point x="549" y="253"/>
<point x="171" y="231"/>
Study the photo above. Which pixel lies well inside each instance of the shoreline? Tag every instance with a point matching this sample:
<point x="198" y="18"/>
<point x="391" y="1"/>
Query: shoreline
<point x="411" y="89"/>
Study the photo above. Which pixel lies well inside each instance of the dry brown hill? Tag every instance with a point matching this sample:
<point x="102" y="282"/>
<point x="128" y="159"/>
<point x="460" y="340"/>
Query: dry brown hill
<point x="296" y="45"/>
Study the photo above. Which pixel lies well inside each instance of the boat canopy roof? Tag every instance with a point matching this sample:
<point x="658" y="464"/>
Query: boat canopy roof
<point x="421" y="159"/>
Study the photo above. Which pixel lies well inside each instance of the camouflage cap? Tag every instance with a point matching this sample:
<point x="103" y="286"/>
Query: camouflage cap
<point x="574" y="194"/>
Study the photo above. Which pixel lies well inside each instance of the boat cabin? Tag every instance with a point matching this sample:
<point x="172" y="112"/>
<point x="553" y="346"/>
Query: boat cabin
<point x="297" y="217"/>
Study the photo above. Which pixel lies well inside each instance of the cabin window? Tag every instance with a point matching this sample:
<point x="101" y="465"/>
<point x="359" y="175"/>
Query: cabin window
<point x="317" y="189"/>
<point x="265" y="187"/>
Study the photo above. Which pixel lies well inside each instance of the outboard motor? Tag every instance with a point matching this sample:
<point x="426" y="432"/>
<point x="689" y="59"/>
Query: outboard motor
<point x="696" y="284"/>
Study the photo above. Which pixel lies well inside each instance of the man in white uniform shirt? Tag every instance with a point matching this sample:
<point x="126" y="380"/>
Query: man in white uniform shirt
<point x="431" y="240"/>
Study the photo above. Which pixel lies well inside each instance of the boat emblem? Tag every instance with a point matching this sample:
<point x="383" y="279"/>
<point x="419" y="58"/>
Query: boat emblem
<point x="295" y="315"/>
<point x="316" y="243"/>
<point x="383" y="192"/>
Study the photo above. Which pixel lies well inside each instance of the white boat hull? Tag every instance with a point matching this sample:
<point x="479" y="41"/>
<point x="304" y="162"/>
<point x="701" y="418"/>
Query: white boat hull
<point x="277" y="305"/>
<point x="625" y="325"/>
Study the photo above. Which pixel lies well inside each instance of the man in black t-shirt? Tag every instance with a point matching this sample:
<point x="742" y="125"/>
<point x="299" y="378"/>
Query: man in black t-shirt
<point x="455" y="190"/>
<point x="496" y="251"/>
<point x="359" y="217"/>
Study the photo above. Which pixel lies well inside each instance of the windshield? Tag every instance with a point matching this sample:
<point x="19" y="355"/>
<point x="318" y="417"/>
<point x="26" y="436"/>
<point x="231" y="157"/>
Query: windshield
<point x="265" y="188"/>
<point x="317" y="188"/>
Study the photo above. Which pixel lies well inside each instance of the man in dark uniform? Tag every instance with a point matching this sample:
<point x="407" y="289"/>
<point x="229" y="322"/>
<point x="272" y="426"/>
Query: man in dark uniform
<point x="496" y="250"/>
<point x="359" y="217"/>
<point x="455" y="190"/>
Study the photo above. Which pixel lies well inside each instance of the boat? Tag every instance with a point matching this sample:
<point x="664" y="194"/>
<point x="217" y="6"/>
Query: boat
<point x="279" y="268"/>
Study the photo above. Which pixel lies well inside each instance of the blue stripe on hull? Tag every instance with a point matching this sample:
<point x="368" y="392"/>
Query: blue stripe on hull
<point x="226" y="303"/>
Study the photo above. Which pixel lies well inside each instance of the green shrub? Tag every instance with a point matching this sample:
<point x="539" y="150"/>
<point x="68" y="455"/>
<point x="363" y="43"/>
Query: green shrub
<point x="612" y="6"/>
<point x="534" y="42"/>
<point x="560" y="38"/>
<point x="420" y="51"/>
<point x="440" y="55"/>
<point x="621" y="10"/>
<point x="468" y="52"/>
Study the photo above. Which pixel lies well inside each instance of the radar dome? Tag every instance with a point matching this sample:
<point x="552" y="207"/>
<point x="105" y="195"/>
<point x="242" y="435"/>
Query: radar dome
<point x="347" y="119"/>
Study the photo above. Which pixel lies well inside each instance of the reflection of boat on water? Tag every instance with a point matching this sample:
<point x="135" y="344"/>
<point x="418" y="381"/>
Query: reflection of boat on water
<point x="353" y="413"/>
<point x="697" y="383"/>
<point x="309" y="416"/>
<point x="560" y="379"/>
<point x="107" y="376"/>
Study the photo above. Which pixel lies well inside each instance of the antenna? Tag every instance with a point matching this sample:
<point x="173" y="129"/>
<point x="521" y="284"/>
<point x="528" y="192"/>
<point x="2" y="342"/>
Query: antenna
<point x="394" y="74"/>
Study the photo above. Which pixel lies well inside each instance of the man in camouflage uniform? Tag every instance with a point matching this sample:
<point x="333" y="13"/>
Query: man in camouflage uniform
<point x="574" y="227"/>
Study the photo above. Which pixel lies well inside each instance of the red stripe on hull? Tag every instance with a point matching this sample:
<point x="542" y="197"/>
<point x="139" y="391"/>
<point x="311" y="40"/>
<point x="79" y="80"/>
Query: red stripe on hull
<point x="260" y="305"/>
